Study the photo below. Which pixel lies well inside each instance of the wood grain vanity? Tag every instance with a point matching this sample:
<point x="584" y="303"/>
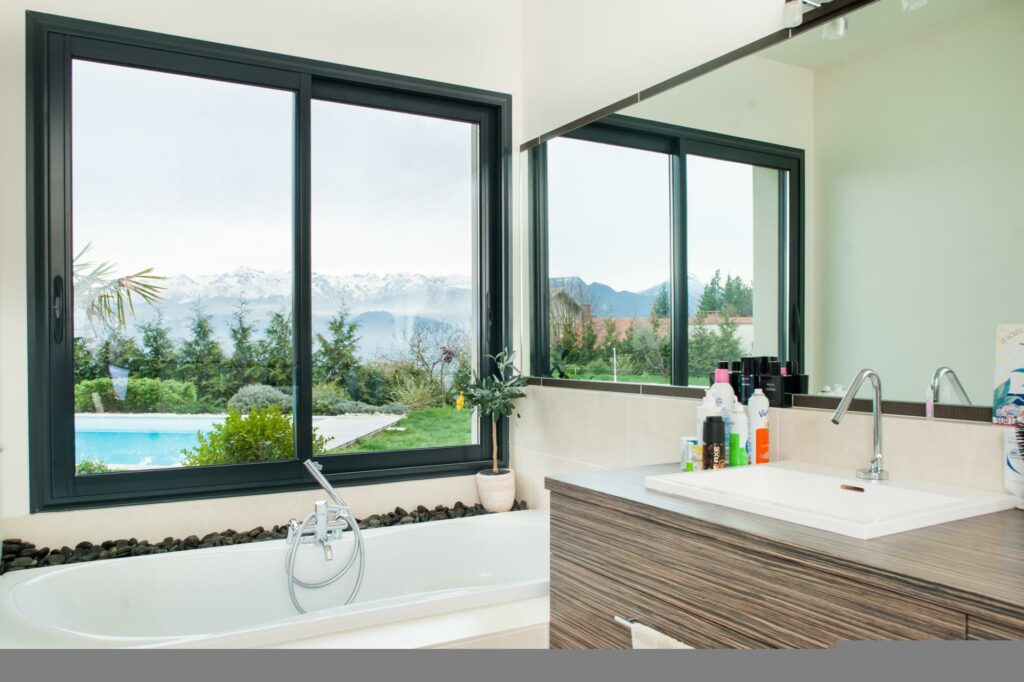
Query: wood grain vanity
<point x="713" y="577"/>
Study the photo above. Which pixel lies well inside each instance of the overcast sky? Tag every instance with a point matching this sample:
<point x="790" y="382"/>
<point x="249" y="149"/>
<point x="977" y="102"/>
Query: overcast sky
<point x="610" y="215"/>
<point x="192" y="175"/>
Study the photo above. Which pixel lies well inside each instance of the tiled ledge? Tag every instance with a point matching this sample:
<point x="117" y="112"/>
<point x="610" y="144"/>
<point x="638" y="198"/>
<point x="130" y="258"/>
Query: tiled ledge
<point x="898" y="408"/>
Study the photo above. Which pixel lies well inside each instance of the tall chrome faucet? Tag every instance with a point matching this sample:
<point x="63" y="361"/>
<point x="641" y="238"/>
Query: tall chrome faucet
<point x="874" y="472"/>
<point x="958" y="388"/>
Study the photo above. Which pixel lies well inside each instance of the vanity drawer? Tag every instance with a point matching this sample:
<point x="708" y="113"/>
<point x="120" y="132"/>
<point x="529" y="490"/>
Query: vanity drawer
<point x="994" y="627"/>
<point x="584" y="605"/>
<point x="741" y="585"/>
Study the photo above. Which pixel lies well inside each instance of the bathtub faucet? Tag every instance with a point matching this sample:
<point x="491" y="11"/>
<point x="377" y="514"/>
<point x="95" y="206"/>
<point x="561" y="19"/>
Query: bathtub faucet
<point x="331" y="519"/>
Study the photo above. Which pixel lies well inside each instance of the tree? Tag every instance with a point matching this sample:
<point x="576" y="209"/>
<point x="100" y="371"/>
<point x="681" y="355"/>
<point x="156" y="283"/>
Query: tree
<point x="108" y="299"/>
<point x="201" y="359"/>
<point x="85" y="361"/>
<point x="159" y="357"/>
<point x="728" y="343"/>
<point x="739" y="295"/>
<point x="711" y="298"/>
<point x="611" y="337"/>
<point x="662" y="306"/>
<point x="702" y="347"/>
<point x="275" y="351"/>
<point x="588" y="338"/>
<point x="243" y="366"/>
<point x="117" y="350"/>
<point x="336" y="354"/>
<point x="644" y="349"/>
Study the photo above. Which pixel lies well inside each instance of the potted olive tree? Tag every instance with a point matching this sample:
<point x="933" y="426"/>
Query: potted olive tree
<point x="495" y="396"/>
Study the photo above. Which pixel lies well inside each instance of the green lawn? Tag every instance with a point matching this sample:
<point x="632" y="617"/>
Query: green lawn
<point x="639" y="378"/>
<point x="430" y="428"/>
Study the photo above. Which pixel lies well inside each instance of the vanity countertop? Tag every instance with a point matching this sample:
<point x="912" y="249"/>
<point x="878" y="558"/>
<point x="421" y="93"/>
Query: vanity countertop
<point x="977" y="561"/>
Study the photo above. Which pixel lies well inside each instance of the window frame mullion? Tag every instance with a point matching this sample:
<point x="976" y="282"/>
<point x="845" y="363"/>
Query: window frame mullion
<point x="302" y="305"/>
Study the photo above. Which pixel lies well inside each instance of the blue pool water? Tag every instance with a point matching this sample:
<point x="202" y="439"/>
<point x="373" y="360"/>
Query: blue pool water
<point x="138" y="440"/>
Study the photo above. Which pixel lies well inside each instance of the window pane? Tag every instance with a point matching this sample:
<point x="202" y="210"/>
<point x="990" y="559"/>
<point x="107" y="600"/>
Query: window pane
<point x="609" y="245"/>
<point x="733" y="230"/>
<point x="394" y="219"/>
<point x="183" y="185"/>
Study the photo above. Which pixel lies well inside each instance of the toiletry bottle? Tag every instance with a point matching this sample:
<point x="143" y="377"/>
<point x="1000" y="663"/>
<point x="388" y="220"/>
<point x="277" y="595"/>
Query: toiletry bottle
<point x="690" y="453"/>
<point x="738" y="437"/>
<point x="795" y="382"/>
<point x="724" y="397"/>
<point x="713" y="376"/>
<point x="774" y="385"/>
<point x="757" y="411"/>
<point x="714" y="443"/>
<point x="706" y="408"/>
<point x="735" y="375"/>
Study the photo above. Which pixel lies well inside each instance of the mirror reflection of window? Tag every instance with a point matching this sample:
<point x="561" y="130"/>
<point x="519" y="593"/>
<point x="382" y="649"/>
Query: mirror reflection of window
<point x="733" y="226"/>
<point x="609" y="245"/>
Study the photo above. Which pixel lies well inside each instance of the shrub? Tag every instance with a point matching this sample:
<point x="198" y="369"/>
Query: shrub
<point x="463" y="375"/>
<point x="91" y="466"/>
<point x="366" y="383"/>
<point x="598" y="367"/>
<point x="264" y="435"/>
<point x="325" y="405"/>
<point x="141" y="395"/>
<point x="625" y="365"/>
<point x="256" y="396"/>
<point x="326" y="398"/>
<point x="418" y="394"/>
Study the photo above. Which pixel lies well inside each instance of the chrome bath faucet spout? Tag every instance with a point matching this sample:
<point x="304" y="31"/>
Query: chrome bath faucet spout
<point x="954" y="381"/>
<point x="874" y="471"/>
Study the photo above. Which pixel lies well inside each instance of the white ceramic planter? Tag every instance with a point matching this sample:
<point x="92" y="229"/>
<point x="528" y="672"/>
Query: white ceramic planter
<point x="497" y="492"/>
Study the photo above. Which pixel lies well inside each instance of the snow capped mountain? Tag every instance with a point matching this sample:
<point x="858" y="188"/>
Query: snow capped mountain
<point x="386" y="305"/>
<point x="359" y="292"/>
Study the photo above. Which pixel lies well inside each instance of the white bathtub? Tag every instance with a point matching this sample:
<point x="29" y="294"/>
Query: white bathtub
<point x="237" y="596"/>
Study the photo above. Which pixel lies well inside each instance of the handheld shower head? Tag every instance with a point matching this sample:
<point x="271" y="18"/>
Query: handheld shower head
<point x="314" y="469"/>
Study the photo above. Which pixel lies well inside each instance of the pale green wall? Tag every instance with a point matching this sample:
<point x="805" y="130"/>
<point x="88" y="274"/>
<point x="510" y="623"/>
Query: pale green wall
<point x="919" y="224"/>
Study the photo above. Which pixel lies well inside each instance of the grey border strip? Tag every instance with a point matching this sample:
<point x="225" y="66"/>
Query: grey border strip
<point x="812" y="19"/>
<point x="896" y="408"/>
<point x="614" y="387"/>
<point x="972" y="413"/>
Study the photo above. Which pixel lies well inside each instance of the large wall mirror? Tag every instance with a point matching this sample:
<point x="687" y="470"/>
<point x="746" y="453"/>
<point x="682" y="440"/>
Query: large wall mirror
<point x="847" y="198"/>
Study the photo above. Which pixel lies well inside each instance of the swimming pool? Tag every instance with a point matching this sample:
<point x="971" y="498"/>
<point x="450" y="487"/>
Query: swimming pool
<point x="133" y="440"/>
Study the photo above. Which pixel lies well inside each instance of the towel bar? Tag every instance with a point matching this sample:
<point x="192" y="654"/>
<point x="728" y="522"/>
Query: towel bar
<point x="625" y="622"/>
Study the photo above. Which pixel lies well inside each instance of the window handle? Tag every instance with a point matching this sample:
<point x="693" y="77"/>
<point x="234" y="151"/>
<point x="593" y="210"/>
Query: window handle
<point x="58" y="309"/>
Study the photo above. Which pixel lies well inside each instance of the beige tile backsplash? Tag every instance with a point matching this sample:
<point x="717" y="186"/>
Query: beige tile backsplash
<point x="570" y="430"/>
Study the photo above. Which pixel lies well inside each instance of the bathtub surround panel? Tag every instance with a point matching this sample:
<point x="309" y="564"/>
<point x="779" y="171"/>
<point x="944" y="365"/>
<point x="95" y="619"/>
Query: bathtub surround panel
<point x="26" y="554"/>
<point x="178" y="519"/>
<point x="570" y="430"/>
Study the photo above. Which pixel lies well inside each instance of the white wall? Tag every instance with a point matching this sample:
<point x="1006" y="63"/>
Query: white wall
<point x="582" y="55"/>
<point x="765" y="100"/>
<point x="566" y="431"/>
<point x="920" y="229"/>
<point x="467" y="42"/>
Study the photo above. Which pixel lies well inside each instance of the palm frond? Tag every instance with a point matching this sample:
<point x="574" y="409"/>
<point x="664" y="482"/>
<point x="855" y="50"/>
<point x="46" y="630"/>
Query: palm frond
<point x="109" y="300"/>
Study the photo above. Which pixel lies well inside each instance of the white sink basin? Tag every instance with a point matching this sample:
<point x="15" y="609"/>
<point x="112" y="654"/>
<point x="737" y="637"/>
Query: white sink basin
<point x="832" y="499"/>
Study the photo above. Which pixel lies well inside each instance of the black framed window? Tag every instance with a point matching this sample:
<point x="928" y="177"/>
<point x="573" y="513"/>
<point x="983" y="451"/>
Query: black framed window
<point x="660" y="250"/>
<point x="242" y="260"/>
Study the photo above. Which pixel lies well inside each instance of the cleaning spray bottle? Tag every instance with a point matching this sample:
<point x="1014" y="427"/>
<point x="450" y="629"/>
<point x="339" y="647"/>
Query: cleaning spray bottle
<point x="757" y="410"/>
